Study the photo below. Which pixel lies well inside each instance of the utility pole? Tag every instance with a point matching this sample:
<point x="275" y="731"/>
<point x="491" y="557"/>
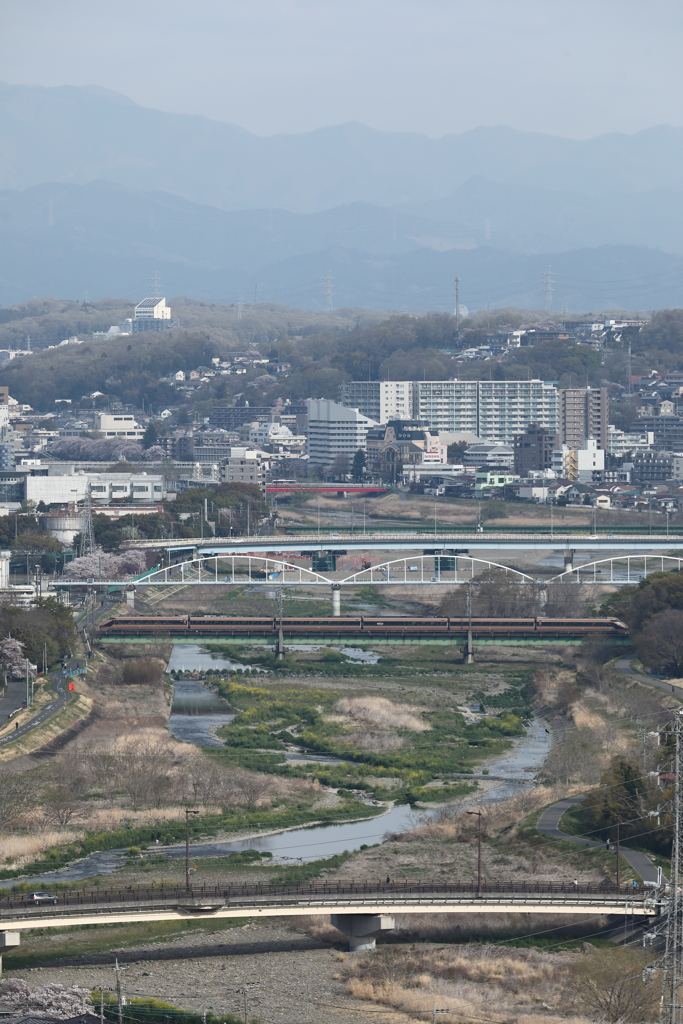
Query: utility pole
<point x="479" y="813"/>
<point x="119" y="997"/>
<point x="618" y="852"/>
<point x="547" y="280"/>
<point x="469" y="651"/>
<point x="188" y="812"/>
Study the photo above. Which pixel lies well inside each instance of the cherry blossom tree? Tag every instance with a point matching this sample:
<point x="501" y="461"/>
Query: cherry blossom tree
<point x="106" y="566"/>
<point x="51" y="1000"/>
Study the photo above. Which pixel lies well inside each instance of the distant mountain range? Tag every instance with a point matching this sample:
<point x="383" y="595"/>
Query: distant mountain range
<point x="99" y="193"/>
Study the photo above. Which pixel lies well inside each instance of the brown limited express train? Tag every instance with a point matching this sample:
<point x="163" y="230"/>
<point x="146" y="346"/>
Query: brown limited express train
<point x="386" y="626"/>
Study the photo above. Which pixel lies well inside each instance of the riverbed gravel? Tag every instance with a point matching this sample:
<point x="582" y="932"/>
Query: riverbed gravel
<point x="291" y="978"/>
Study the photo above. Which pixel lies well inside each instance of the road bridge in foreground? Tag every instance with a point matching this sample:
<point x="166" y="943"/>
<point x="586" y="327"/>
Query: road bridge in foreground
<point x="361" y="910"/>
<point x="405" y="541"/>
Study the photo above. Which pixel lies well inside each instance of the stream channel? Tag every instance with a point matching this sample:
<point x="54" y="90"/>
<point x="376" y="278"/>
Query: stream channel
<point x="197" y="712"/>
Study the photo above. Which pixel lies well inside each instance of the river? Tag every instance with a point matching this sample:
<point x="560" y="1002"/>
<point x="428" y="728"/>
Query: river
<point x="197" y="712"/>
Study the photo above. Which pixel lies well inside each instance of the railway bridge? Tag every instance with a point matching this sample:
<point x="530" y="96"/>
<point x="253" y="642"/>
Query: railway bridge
<point x="360" y="909"/>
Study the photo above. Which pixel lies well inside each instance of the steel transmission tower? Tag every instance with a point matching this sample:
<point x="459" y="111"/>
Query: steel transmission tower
<point x="671" y="964"/>
<point x="87" y="544"/>
<point x="328" y="291"/>
<point x="548" y="282"/>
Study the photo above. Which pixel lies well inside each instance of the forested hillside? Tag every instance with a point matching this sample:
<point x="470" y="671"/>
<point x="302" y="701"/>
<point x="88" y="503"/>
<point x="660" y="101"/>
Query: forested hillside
<point x="401" y="346"/>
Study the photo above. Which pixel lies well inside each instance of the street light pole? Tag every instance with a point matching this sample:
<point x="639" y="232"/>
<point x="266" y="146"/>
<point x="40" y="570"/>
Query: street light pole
<point x="188" y="812"/>
<point x="478" y="813"/>
<point x="618" y="852"/>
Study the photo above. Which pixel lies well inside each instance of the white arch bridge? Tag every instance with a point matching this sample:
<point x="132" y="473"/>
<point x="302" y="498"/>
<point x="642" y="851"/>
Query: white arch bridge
<point x="435" y="569"/>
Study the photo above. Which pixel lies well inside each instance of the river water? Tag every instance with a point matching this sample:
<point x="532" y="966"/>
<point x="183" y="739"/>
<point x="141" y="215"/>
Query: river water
<point x="197" y="712"/>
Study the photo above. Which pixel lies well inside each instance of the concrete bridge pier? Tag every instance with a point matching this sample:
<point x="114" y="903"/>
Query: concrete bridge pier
<point x="568" y="560"/>
<point x="336" y="600"/>
<point x="362" y="929"/>
<point x="7" y="941"/>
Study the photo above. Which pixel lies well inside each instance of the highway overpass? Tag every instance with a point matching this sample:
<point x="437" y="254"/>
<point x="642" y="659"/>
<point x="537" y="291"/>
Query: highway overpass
<point x="281" y="543"/>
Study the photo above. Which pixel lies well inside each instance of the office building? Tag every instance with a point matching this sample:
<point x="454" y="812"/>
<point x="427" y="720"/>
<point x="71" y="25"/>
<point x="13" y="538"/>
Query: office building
<point x="379" y="400"/>
<point x="334" y="429"/>
<point x="584" y="413"/>
<point x="534" y="449"/>
<point x="498" y="455"/>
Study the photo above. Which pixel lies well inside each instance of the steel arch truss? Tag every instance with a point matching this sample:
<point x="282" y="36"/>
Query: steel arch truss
<point x="233" y="569"/>
<point x="439" y="568"/>
<point x="219" y="570"/>
<point x="619" y="571"/>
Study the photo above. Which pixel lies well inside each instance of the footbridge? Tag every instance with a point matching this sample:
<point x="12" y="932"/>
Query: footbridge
<point x="360" y="909"/>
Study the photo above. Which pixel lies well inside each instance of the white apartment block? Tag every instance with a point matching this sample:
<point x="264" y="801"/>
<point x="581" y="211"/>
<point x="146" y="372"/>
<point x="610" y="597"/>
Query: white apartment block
<point x="507" y="407"/>
<point x="334" y="428"/>
<point x="380" y="400"/>
<point x="493" y="410"/>
<point x="447" y="404"/>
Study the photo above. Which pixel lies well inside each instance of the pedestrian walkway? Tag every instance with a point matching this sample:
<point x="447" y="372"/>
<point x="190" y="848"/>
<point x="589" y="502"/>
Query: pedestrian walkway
<point x="548" y="825"/>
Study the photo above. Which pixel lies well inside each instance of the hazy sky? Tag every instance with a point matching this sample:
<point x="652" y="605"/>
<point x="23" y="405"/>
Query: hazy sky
<point x="566" y="67"/>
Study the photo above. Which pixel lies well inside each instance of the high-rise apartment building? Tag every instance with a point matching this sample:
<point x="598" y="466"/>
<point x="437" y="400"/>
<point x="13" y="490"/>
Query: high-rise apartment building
<point x="496" y="410"/>
<point x="333" y="429"/>
<point x="584" y="413"/>
<point x="379" y="400"/>
<point x="447" y="404"/>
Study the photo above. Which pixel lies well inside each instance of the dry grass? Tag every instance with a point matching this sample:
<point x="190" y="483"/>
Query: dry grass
<point x="379" y="711"/>
<point x="473" y="982"/>
<point x="17" y="850"/>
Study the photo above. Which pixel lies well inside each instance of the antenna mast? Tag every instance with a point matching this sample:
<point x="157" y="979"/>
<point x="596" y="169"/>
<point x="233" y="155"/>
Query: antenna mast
<point x="457" y="304"/>
<point x="155" y="285"/>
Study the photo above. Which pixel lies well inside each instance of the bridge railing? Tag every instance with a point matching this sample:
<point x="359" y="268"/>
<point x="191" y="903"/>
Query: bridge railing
<point x="320" y="889"/>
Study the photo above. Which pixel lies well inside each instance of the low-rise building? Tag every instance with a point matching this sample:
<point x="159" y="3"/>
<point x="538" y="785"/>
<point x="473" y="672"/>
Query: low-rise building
<point x="489" y="454"/>
<point x="246" y="466"/>
<point x="119" y="425"/>
<point x="579" y="464"/>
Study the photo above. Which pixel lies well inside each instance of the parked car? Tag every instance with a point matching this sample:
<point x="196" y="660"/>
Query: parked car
<point x="36" y="898"/>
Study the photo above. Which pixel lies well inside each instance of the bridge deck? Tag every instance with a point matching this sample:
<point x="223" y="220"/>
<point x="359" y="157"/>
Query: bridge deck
<point x="413" y="541"/>
<point x="102" y="906"/>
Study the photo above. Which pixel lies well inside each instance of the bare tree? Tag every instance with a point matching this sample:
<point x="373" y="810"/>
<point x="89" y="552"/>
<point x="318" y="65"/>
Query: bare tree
<point x="15" y="799"/>
<point x="60" y="805"/>
<point x="660" y="644"/>
<point x="253" y="788"/>
<point x="611" y="985"/>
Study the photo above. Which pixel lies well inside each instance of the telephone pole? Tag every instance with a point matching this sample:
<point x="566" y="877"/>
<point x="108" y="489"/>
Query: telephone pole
<point x="548" y="282"/>
<point x="119" y="996"/>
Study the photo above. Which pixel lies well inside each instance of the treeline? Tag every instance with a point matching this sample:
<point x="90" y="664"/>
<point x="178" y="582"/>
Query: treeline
<point x="47" y="629"/>
<point x="653" y="611"/>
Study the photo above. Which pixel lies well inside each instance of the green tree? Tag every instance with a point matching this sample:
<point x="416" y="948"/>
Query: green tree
<point x="150" y="436"/>
<point x="494" y="509"/>
<point x="358" y="465"/>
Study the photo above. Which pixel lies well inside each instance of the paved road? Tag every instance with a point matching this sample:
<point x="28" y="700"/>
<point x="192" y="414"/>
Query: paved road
<point x="550" y="819"/>
<point x="624" y="667"/>
<point x="48" y="710"/>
